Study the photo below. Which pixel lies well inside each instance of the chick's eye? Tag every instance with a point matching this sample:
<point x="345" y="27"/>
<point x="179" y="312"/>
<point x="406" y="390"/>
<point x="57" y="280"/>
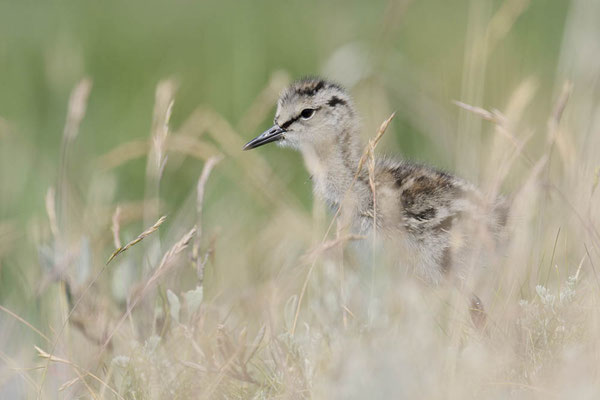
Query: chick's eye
<point x="307" y="113"/>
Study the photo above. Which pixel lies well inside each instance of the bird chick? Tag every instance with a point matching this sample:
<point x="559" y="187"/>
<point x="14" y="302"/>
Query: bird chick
<point x="430" y="218"/>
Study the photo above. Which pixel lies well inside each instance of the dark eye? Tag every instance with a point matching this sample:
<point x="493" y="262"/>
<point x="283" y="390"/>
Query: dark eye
<point x="307" y="113"/>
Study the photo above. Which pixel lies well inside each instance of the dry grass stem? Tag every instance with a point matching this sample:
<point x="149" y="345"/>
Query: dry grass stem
<point x="559" y="108"/>
<point x="75" y="113"/>
<point x="163" y="106"/>
<point x="78" y="370"/>
<point x="24" y="322"/>
<point x="259" y="177"/>
<point x="200" y="188"/>
<point x="494" y="116"/>
<point x="159" y="272"/>
<point x="51" y="211"/>
<point x="367" y="152"/>
<point x="116" y="227"/>
<point x="262" y="105"/>
<point x="157" y="158"/>
<point x="502" y="124"/>
<point x="503" y="20"/>
<point x="365" y="156"/>
<point x="169" y="255"/>
<point x="77" y="107"/>
<point x="330" y="244"/>
<point x="123" y="153"/>
<point x="177" y="143"/>
<point x="22" y="372"/>
<point x="138" y="239"/>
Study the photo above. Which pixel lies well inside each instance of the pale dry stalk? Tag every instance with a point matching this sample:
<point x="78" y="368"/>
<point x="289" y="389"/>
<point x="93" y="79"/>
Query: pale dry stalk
<point x="259" y="179"/>
<point x="502" y="127"/>
<point x="185" y="144"/>
<point x="78" y="370"/>
<point x="372" y="143"/>
<point x="75" y="113"/>
<point x="51" y="211"/>
<point x="159" y="271"/>
<point x="200" y="189"/>
<point x="177" y="248"/>
<point x="262" y="105"/>
<point x="554" y="136"/>
<point x="163" y="105"/>
<point x="24" y="322"/>
<point x="116" y="227"/>
<point x="138" y="239"/>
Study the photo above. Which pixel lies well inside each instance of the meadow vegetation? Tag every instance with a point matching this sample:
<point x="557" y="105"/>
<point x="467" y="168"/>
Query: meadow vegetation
<point x="143" y="255"/>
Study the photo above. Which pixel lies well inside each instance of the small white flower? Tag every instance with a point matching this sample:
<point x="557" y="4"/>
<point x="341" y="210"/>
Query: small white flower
<point x="121" y="361"/>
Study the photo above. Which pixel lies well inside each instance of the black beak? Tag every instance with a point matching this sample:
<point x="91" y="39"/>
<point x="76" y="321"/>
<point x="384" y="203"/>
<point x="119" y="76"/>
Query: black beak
<point x="271" y="135"/>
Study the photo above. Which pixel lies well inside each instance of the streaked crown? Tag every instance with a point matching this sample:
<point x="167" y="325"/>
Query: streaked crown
<point x="310" y="93"/>
<point x="309" y="111"/>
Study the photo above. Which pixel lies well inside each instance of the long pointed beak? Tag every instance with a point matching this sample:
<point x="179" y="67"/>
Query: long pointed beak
<point x="271" y="135"/>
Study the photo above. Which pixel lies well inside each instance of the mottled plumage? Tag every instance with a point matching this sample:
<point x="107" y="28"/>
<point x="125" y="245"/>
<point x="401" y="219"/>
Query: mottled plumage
<point x="437" y="223"/>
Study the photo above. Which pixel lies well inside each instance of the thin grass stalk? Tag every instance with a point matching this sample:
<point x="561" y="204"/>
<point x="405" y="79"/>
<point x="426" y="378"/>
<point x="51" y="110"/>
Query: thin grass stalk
<point x="77" y="368"/>
<point x="116" y="227"/>
<point x="85" y="291"/>
<point x="159" y="271"/>
<point x="365" y="155"/>
<point x="263" y="103"/>
<point x="200" y="189"/>
<point x="75" y="113"/>
<point x="472" y="87"/>
<point x="138" y="239"/>
<point x="157" y="158"/>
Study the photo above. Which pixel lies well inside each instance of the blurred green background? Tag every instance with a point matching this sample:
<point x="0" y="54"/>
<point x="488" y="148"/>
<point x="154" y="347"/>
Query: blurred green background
<point x="222" y="54"/>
